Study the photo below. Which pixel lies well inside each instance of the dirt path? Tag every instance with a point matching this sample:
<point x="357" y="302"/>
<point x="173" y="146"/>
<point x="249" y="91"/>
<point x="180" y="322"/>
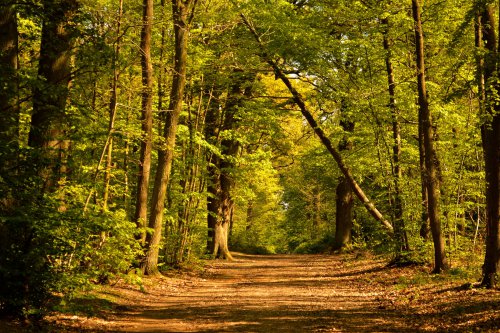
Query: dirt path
<point x="289" y="293"/>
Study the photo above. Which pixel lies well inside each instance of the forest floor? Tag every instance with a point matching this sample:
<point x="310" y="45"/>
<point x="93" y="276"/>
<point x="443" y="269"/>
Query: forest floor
<point x="289" y="293"/>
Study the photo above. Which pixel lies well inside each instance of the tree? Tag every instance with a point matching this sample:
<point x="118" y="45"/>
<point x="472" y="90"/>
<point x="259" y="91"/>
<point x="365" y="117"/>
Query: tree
<point x="9" y="112"/>
<point x="490" y="135"/>
<point x="431" y="158"/>
<point x="49" y="121"/>
<point x="298" y="99"/>
<point x="146" y="117"/>
<point x="399" y="225"/>
<point x="344" y="200"/>
<point x="183" y="11"/>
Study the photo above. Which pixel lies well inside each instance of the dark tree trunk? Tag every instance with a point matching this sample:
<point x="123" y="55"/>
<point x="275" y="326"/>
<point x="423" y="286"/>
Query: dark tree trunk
<point x="141" y="205"/>
<point x="490" y="135"/>
<point x="212" y="129"/>
<point x="224" y="175"/>
<point x="9" y="113"/>
<point x="424" y="219"/>
<point x="344" y="195"/>
<point x="49" y="121"/>
<point x="180" y="10"/>
<point x="399" y="225"/>
<point x="431" y="159"/>
<point x="343" y="215"/>
<point x="299" y="101"/>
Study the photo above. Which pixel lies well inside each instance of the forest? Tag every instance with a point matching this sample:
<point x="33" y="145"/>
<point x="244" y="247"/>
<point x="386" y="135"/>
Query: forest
<point x="142" y="136"/>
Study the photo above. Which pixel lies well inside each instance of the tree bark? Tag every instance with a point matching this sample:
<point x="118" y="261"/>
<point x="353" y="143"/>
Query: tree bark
<point x="9" y="113"/>
<point x="431" y="159"/>
<point x="49" y="121"/>
<point x="343" y="215"/>
<point x="490" y="135"/>
<point x="344" y="196"/>
<point x="112" y="109"/>
<point x="399" y="225"/>
<point x="180" y="10"/>
<point x="299" y="101"/>
<point x="141" y="205"/>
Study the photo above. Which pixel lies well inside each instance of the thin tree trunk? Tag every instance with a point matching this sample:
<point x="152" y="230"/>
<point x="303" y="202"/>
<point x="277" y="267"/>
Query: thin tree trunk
<point x="299" y="101"/>
<point x="180" y="11"/>
<point x="490" y="134"/>
<point x="112" y="109"/>
<point x="399" y="225"/>
<point x="431" y="159"/>
<point x="141" y="206"/>
<point x="212" y="129"/>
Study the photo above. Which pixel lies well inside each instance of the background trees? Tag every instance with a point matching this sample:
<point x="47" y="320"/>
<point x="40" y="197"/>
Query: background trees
<point x="84" y="104"/>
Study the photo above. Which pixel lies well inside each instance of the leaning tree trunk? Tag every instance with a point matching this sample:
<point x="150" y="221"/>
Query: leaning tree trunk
<point x="299" y="101"/>
<point x="399" y="225"/>
<point x="49" y="121"/>
<point x="180" y="10"/>
<point x="490" y="135"/>
<point x="431" y="159"/>
<point x="141" y="205"/>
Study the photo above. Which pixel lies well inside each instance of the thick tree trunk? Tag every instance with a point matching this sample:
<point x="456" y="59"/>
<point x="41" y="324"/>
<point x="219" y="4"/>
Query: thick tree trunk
<point x="343" y="215"/>
<point x="490" y="134"/>
<point x="399" y="225"/>
<point x="431" y="159"/>
<point x="344" y="196"/>
<point x="180" y="10"/>
<point x="9" y="113"/>
<point x="299" y="101"/>
<point x="49" y="121"/>
<point x="141" y="205"/>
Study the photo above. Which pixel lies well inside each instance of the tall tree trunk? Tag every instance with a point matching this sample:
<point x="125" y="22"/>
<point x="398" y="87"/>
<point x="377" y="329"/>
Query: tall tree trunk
<point x="112" y="108"/>
<point x="9" y="113"/>
<point x="490" y="135"/>
<point x="141" y="205"/>
<point x="399" y="225"/>
<point x="299" y="101"/>
<point x="344" y="196"/>
<point x="431" y="159"/>
<point x="49" y="121"/>
<point x="212" y="130"/>
<point x="180" y="10"/>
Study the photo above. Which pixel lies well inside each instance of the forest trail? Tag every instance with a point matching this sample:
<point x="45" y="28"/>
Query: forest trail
<point x="291" y="293"/>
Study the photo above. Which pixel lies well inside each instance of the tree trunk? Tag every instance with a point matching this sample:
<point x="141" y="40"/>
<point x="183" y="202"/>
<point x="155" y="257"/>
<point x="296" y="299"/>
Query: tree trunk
<point x="490" y="135"/>
<point x="49" y="121"/>
<point x="299" y="101"/>
<point x="344" y="196"/>
<point x="431" y="159"/>
<point x="180" y="10"/>
<point x="399" y="225"/>
<point x="112" y="109"/>
<point x="9" y="113"/>
<point x="141" y="205"/>
<point x="343" y="215"/>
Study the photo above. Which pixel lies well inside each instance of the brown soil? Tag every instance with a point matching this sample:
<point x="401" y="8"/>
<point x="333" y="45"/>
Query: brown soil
<point x="292" y="293"/>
